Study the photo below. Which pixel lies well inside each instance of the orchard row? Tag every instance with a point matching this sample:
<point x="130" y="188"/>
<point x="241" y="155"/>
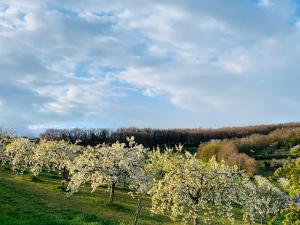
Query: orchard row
<point x="180" y="184"/>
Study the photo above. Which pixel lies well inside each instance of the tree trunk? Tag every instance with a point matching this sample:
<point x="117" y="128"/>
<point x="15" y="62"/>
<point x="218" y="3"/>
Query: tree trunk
<point x="112" y="192"/>
<point x="64" y="177"/>
<point x="196" y="221"/>
<point x="123" y="181"/>
<point x="250" y="222"/>
<point x="261" y="220"/>
<point x="138" y="211"/>
<point x="64" y="174"/>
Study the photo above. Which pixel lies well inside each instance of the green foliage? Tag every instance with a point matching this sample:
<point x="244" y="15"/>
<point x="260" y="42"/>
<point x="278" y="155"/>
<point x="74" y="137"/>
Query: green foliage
<point x="289" y="178"/>
<point x="287" y="216"/>
<point x="209" y="150"/>
<point x="291" y="172"/>
<point x="295" y="149"/>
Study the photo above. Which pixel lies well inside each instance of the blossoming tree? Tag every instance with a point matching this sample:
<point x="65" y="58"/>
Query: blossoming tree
<point x="106" y="165"/>
<point x="140" y="183"/>
<point x="54" y="156"/>
<point x="260" y="198"/>
<point x="18" y="153"/>
<point x="187" y="189"/>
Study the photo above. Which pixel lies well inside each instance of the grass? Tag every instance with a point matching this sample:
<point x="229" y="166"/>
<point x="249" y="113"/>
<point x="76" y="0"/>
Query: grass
<point x="270" y="153"/>
<point x="41" y="202"/>
<point x="27" y="201"/>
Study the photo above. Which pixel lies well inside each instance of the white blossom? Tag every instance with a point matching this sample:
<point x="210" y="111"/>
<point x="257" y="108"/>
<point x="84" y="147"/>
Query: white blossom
<point x="261" y="197"/>
<point x="18" y="153"/>
<point x="187" y="189"/>
<point x="54" y="155"/>
<point x="107" y="165"/>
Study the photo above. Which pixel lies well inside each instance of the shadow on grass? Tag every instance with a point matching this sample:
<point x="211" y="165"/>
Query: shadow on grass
<point x="117" y="207"/>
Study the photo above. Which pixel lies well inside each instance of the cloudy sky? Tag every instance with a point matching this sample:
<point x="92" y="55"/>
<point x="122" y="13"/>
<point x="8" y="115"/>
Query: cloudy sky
<point x="183" y="63"/>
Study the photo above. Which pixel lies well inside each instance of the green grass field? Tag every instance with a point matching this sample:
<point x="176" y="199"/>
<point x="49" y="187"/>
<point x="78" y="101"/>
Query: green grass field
<point x="41" y="202"/>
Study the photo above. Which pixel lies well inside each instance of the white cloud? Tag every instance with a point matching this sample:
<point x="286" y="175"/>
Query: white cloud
<point x="83" y="95"/>
<point x="235" y="63"/>
<point x="62" y="62"/>
<point x="180" y="90"/>
<point x="265" y="2"/>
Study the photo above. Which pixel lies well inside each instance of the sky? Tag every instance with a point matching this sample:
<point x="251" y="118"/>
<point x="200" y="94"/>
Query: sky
<point x="160" y="64"/>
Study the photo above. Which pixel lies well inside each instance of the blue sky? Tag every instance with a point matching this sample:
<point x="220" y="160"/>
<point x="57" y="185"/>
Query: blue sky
<point x="185" y="63"/>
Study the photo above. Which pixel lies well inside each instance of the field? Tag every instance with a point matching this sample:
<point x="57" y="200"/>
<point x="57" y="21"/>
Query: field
<point x="193" y="188"/>
<point x="41" y="202"/>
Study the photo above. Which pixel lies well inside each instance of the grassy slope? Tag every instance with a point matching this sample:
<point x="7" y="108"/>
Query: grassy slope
<point x="23" y="202"/>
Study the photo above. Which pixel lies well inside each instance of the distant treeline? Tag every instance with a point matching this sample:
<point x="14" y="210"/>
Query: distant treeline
<point x="151" y="137"/>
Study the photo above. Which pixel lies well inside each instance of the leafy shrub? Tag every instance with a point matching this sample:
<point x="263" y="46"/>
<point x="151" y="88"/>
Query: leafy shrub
<point x="208" y="150"/>
<point x="295" y="149"/>
<point x="228" y="152"/>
